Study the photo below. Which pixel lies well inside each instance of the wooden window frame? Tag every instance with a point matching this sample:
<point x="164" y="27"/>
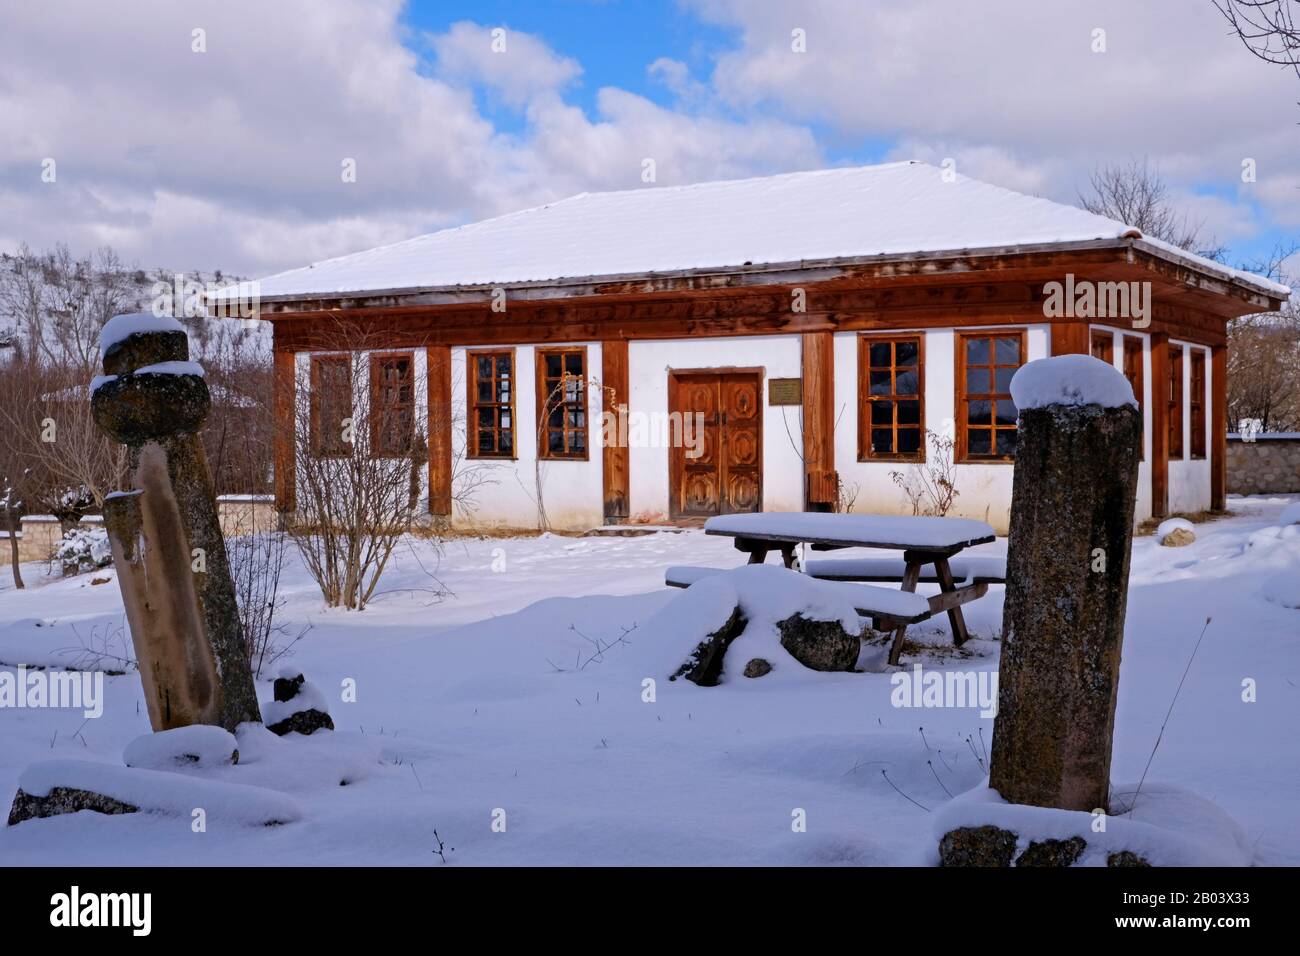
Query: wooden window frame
<point x="319" y="449"/>
<point x="1106" y="341"/>
<point x="1138" y="382"/>
<point x="961" y="454"/>
<point x="377" y="411"/>
<point x="1174" y="396"/>
<point x="543" y="429"/>
<point x="472" y="405"/>
<point x="1197" y="402"/>
<point x="866" y="398"/>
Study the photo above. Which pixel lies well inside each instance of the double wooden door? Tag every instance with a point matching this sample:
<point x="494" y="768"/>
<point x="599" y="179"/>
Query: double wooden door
<point x="716" y="456"/>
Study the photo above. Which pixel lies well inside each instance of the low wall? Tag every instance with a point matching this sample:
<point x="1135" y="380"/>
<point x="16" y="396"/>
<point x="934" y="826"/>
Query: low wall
<point x="41" y="534"/>
<point x="1270" y="464"/>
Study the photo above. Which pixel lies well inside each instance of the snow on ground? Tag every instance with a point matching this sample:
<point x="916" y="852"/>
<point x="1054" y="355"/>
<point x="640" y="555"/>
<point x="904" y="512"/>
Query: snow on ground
<point x="522" y="691"/>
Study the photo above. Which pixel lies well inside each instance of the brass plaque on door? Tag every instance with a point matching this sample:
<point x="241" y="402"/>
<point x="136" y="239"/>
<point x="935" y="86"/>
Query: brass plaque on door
<point x="785" y="391"/>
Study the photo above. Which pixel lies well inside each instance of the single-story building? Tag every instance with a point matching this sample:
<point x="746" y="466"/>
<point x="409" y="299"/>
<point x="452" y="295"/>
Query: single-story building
<point x="788" y="342"/>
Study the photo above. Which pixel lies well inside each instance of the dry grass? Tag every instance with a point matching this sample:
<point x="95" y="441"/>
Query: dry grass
<point x="1195" y="517"/>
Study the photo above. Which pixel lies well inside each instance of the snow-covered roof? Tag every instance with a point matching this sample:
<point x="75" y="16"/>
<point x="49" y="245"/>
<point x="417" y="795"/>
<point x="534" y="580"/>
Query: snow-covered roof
<point x="890" y="209"/>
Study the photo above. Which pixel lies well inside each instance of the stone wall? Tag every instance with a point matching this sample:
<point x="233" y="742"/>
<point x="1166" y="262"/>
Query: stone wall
<point x="239" y="514"/>
<point x="1268" y="465"/>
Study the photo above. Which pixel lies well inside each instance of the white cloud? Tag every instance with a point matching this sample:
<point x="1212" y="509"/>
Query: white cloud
<point x="515" y="65"/>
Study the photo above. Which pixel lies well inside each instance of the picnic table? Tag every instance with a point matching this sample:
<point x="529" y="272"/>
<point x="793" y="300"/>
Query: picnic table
<point x="922" y="540"/>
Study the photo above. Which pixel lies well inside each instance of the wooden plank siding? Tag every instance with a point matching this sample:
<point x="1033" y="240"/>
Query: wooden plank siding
<point x="438" y="373"/>
<point x="616" y="467"/>
<point x="818" y="367"/>
<point x="1218" y="412"/>
<point x="284" y="387"/>
<point x="1159" y="424"/>
<point x="1070" y="338"/>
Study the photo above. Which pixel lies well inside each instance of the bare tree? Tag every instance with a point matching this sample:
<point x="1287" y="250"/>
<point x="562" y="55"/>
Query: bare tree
<point x="359" y="454"/>
<point x="1135" y="194"/>
<point x="1267" y="28"/>
<point x="1264" y="357"/>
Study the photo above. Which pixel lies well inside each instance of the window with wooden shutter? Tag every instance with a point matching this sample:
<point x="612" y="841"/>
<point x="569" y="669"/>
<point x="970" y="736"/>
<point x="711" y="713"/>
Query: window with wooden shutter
<point x="986" y="415"/>
<point x="392" y="405"/>
<point x="331" y="405"/>
<point x="490" y="431"/>
<point x="562" y="399"/>
<point x="891" y="398"/>
<point x="1175" y="395"/>
<point x="1197" y="402"/>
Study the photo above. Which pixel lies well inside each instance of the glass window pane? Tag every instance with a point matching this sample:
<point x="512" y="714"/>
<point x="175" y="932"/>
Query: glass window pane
<point x="485" y="390"/>
<point x="1006" y="441"/>
<point x="880" y="354"/>
<point x="486" y="417"/>
<point x="882" y="413"/>
<point x="906" y="382"/>
<point x="556" y="418"/>
<point x="486" y="442"/>
<point x="1008" y="350"/>
<point x="555" y="442"/>
<point x="1005" y="412"/>
<point x="578" y="441"/>
<point x="505" y="418"/>
<point x="554" y="364"/>
<point x="573" y="363"/>
<point x="977" y="381"/>
<point x="1002" y="380"/>
<point x="507" y="446"/>
<point x="977" y="351"/>
<point x="909" y="440"/>
<point x="503" y="366"/>
<point x="909" y="413"/>
<point x="882" y="441"/>
<point x="484" y="366"/>
<point x="979" y="441"/>
<point x="880" y="383"/>
<point x="905" y="353"/>
<point x="979" y="413"/>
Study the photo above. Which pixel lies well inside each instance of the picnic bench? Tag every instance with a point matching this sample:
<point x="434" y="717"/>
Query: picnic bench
<point x="923" y="542"/>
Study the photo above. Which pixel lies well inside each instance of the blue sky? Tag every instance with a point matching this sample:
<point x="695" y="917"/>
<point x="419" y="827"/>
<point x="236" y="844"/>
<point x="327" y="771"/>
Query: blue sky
<point x="231" y="159"/>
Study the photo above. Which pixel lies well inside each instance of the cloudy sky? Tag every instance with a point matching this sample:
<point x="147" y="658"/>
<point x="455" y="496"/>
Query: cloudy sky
<point x="232" y="156"/>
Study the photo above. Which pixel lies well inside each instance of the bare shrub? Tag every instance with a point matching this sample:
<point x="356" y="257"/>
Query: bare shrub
<point x="930" y="486"/>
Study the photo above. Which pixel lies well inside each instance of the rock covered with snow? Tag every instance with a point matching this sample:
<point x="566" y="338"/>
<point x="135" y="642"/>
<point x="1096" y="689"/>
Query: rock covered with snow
<point x="1070" y="380"/>
<point x="298" y="707"/>
<point x="1161" y="826"/>
<point x="56" y="787"/>
<point x="198" y="746"/>
<point x="121" y="327"/>
<point x="1175" y="533"/>
<point x="84" y="549"/>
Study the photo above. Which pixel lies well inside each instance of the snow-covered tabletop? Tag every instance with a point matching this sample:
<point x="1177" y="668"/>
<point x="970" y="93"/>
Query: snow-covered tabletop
<point x="824" y="530"/>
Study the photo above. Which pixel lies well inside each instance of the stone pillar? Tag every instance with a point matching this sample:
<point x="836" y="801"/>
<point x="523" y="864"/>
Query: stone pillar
<point x="1067" y="586"/>
<point x="156" y="410"/>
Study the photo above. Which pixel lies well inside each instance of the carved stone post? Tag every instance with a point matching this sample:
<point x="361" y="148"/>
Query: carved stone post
<point x="1067" y="583"/>
<point x="167" y="544"/>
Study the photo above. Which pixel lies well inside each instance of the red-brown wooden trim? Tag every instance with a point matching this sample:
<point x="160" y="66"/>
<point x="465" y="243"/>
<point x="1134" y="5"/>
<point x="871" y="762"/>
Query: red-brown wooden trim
<point x="1218" y="412"/>
<point x="818" y="367"/>
<point x="1133" y="360"/>
<point x="865" y="341"/>
<point x="438" y="372"/>
<point x="1197" y="403"/>
<point x="1159" y="424"/>
<point x="615" y="456"/>
<point x="1175" y="398"/>
<point x="376" y="410"/>
<point x="471" y="392"/>
<point x="284" y="388"/>
<point x="959" y="406"/>
<point x="1070" y="338"/>
<point x="316" y="440"/>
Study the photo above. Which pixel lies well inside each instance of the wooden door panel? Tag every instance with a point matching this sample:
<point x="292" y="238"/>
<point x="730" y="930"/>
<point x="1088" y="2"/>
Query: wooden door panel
<point x="726" y="475"/>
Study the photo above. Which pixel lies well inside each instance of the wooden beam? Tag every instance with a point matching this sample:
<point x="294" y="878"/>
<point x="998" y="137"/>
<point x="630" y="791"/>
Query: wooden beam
<point x="1070" y="338"/>
<point x="1159" y="424"/>
<point x="1218" y="412"/>
<point x="615" y="459"/>
<point x="818" y="351"/>
<point x="439" y="376"/>
<point x="284" y="443"/>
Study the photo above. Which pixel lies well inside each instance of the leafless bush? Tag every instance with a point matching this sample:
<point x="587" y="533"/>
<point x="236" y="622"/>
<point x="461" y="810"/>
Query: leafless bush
<point x="930" y="486"/>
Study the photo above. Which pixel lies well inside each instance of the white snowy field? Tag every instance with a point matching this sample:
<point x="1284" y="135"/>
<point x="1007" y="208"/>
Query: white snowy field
<point x="486" y="706"/>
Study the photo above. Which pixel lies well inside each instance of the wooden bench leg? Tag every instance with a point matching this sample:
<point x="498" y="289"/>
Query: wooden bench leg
<point x="910" y="577"/>
<point x="787" y="555"/>
<point x="955" y="618"/>
<point x="757" y="557"/>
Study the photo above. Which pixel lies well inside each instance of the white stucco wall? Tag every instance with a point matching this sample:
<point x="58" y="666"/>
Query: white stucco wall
<point x="984" y="489"/>
<point x="648" y="366"/>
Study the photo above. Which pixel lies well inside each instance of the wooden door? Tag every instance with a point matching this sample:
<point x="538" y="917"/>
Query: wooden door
<point x="721" y="416"/>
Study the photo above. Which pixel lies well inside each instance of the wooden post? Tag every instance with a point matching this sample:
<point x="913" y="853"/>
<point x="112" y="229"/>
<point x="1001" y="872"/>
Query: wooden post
<point x="1159" y="424"/>
<point x="284" y="388"/>
<point x="1073" y="497"/>
<point x="1218" y="412"/>
<point x="818" y="361"/>
<point x="439" y="375"/>
<point x="1070" y="338"/>
<point x="615" y="457"/>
